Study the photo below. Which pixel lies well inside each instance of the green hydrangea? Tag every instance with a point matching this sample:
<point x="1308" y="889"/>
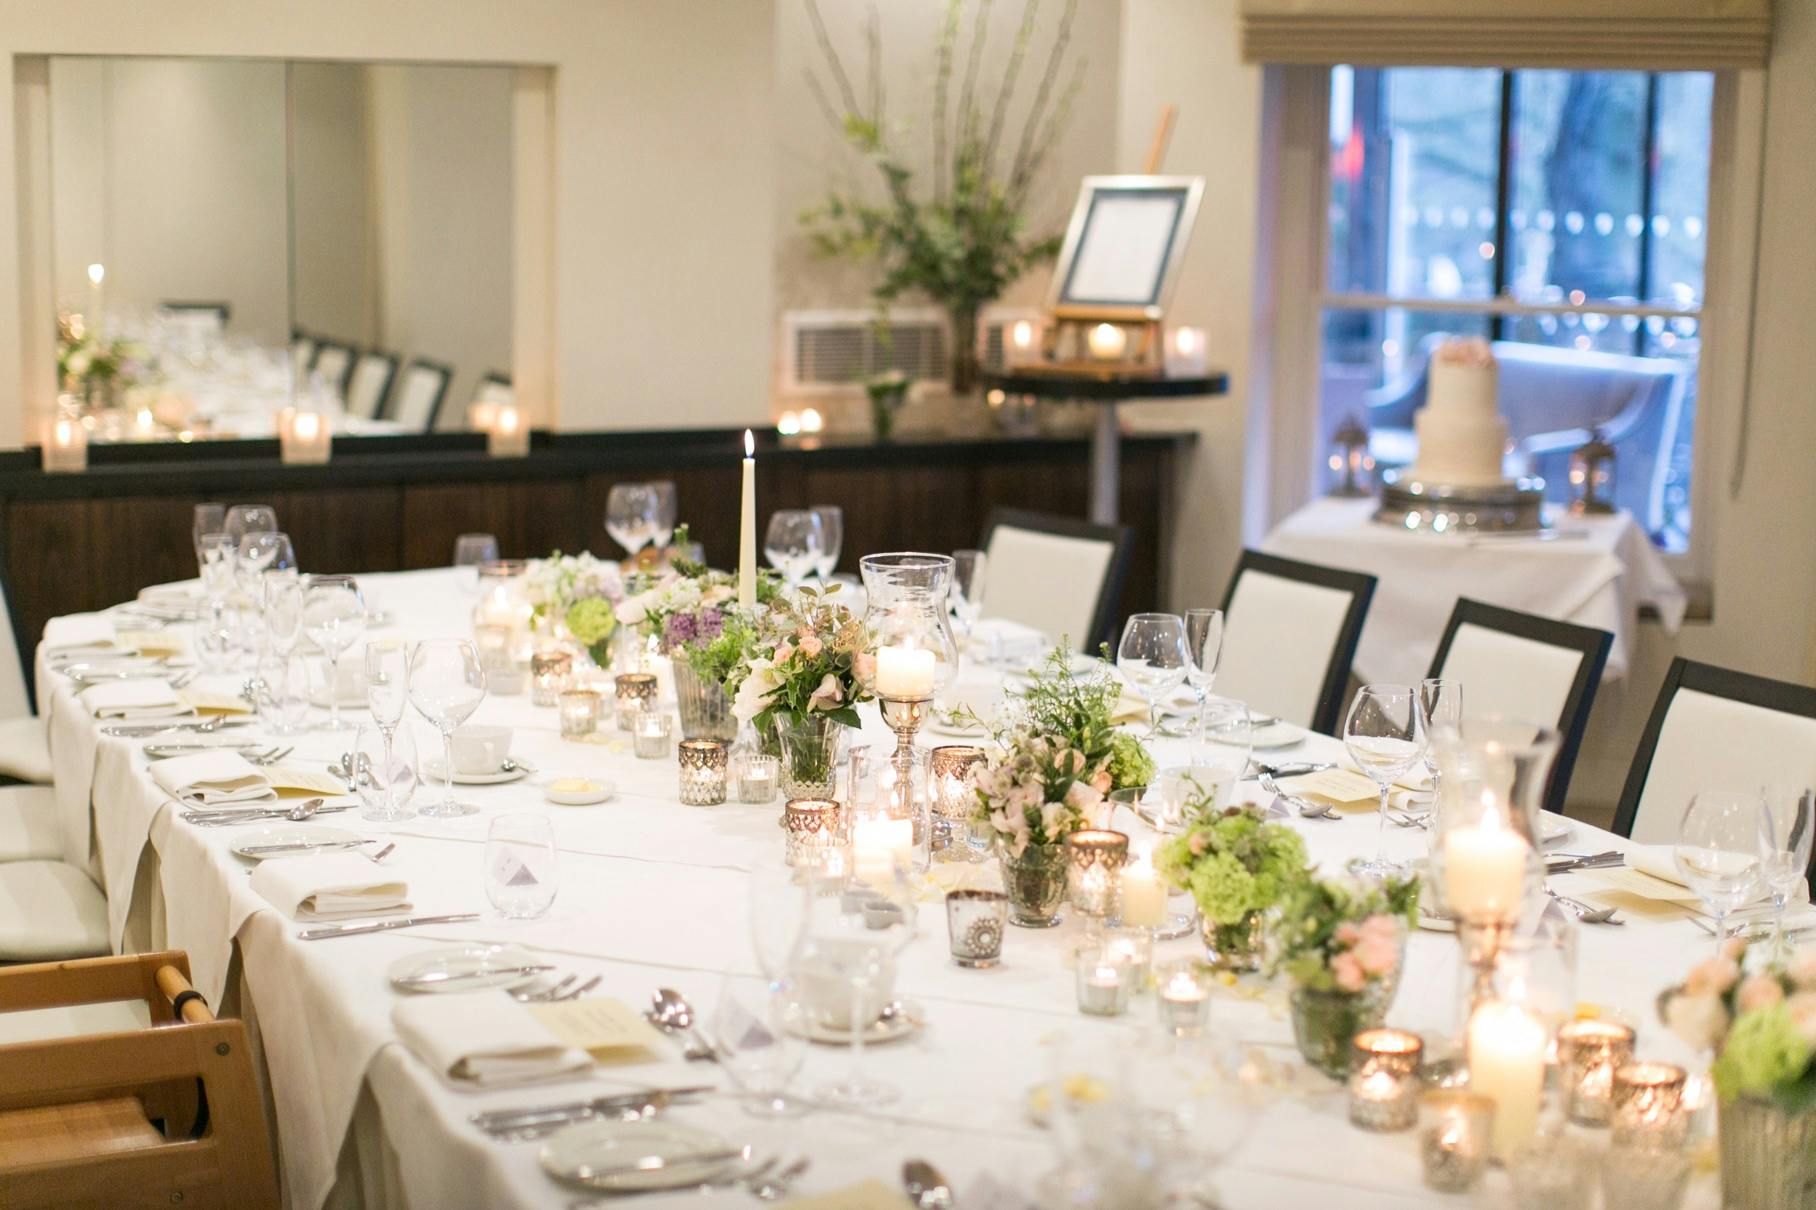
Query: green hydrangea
<point x="1765" y="1054"/>
<point x="591" y="620"/>
<point x="1130" y="762"/>
<point x="1234" y="863"/>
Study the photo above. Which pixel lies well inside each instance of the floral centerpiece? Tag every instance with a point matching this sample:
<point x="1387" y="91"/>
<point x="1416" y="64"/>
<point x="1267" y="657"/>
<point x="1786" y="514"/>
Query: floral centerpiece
<point x="96" y="366"/>
<point x="802" y="673"/>
<point x="1077" y="707"/>
<point x="1237" y="866"/>
<point x="578" y="594"/>
<point x="1340" y="940"/>
<point x="1034" y="793"/>
<point x="1762" y="1026"/>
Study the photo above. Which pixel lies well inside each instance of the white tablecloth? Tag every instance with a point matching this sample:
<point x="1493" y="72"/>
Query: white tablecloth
<point x="1592" y="571"/>
<point x="653" y="894"/>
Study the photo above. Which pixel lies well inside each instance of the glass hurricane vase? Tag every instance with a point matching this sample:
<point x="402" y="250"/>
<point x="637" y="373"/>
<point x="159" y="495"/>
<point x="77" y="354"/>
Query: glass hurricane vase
<point x="1037" y="881"/>
<point x="1233" y="947"/>
<point x="703" y="705"/>
<point x="1326" y="1022"/>
<point x="810" y="755"/>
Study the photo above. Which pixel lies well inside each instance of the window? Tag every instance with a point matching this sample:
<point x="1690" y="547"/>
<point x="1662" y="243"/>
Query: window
<point x="1561" y="212"/>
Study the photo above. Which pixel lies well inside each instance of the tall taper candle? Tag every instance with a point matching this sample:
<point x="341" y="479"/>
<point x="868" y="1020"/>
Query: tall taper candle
<point x="96" y="274"/>
<point x="747" y="528"/>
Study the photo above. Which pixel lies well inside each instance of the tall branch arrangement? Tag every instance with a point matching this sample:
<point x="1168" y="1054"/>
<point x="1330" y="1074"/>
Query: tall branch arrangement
<point x="962" y="241"/>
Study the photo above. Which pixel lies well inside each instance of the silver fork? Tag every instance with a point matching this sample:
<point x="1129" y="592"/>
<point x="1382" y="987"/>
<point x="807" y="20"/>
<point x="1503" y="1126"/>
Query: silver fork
<point x="271" y="757"/>
<point x="546" y="994"/>
<point x="776" y="1187"/>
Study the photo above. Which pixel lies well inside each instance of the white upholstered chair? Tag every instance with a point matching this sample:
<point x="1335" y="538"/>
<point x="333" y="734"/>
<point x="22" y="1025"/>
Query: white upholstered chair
<point x="1289" y="636"/>
<point x="417" y="400"/>
<point x="370" y="383"/>
<point x="28" y="813"/>
<point x="302" y="354"/>
<point x="1521" y="666"/>
<point x="1715" y="729"/>
<point x="1058" y="575"/>
<point x="334" y="363"/>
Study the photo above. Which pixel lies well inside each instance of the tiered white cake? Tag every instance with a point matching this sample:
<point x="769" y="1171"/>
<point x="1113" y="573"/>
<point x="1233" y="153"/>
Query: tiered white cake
<point x="1462" y="435"/>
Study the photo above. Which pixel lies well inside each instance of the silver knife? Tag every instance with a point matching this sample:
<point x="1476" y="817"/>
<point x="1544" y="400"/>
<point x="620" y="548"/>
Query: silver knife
<point x="588" y="1174"/>
<point x="312" y="846"/>
<point x="379" y="926"/>
<point x="143" y="730"/>
<point x="432" y="978"/>
<point x="499" y="1121"/>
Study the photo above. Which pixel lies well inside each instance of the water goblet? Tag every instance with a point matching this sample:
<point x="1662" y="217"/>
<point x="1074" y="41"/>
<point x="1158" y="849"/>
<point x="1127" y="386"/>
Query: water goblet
<point x="1385" y="736"/>
<point x="857" y="926"/>
<point x="832" y="539"/>
<point x="1722" y="841"/>
<point x="1153" y="656"/>
<point x="243" y="519"/>
<point x="664" y="513"/>
<point x="794" y="541"/>
<point x="334" y="616"/>
<point x="447" y="684"/>
<point x="630" y="516"/>
<point x="1787" y="864"/>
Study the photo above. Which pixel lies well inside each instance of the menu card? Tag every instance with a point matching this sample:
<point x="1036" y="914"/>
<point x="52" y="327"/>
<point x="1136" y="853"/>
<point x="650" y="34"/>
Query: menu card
<point x="605" y="1028"/>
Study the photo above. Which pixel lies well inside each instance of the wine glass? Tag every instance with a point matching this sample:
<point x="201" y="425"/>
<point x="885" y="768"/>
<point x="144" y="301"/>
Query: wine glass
<point x="856" y="928"/>
<point x="334" y="616"/>
<point x="1442" y="701"/>
<point x="219" y="565"/>
<point x="1722" y="842"/>
<point x="968" y="587"/>
<point x="793" y="542"/>
<point x="630" y="516"/>
<point x="387" y="686"/>
<point x="1787" y="864"/>
<point x="1153" y="656"/>
<point x="1385" y="736"/>
<point x="447" y="684"/>
<point x="209" y="519"/>
<point x="471" y="551"/>
<point x="523" y="866"/>
<point x="243" y="519"/>
<point x="665" y="513"/>
<point x="283" y="612"/>
<point x="1204" y="644"/>
<point x="759" y="1036"/>
<point x="780" y="899"/>
<point x="832" y="538"/>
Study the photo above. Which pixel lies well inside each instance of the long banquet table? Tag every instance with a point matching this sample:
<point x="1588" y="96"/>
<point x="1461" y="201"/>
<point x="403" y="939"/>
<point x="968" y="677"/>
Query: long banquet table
<point x="653" y="894"/>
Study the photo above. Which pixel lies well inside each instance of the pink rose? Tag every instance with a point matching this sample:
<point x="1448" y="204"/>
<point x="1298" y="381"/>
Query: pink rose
<point x="1377" y="957"/>
<point x="1347" y="933"/>
<point x="1758" y="991"/>
<point x="1700" y="1020"/>
<point x="1803" y="969"/>
<point x="863" y="666"/>
<point x="1198" y="843"/>
<point x="1101" y="781"/>
<point x="1712" y="977"/>
<point x="1385" y="928"/>
<point x="1803" y="1012"/>
<point x="810" y="646"/>
<point x="783" y="651"/>
<point x="1348" y="973"/>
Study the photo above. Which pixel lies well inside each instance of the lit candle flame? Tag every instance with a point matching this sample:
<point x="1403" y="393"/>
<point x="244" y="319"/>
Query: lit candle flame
<point x="750" y="444"/>
<point x="96" y="272"/>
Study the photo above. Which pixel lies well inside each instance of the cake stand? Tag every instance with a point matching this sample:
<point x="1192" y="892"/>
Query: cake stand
<point x="1513" y="506"/>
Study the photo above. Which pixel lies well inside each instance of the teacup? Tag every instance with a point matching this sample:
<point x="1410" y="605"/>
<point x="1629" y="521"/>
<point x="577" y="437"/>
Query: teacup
<point x="479" y="750"/>
<point x="824" y="977"/>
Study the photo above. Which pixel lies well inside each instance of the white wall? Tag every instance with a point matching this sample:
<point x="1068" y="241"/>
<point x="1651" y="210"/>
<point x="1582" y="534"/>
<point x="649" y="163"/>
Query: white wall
<point x="333" y="288"/>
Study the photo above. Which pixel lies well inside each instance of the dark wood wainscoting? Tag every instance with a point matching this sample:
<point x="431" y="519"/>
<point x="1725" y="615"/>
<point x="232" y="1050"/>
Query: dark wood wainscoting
<point x="84" y="541"/>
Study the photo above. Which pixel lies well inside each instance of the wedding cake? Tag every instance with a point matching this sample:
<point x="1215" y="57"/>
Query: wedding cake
<point x="1462" y="435"/>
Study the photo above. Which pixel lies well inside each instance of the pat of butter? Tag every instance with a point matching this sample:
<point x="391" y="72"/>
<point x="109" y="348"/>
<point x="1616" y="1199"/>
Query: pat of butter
<point x="574" y="785"/>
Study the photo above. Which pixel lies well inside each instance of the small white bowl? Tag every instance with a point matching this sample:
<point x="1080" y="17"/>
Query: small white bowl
<point x="578" y="791"/>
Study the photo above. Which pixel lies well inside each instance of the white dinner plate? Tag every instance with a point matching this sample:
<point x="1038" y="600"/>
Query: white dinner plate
<point x="902" y="1025"/>
<point x="1270" y="738"/>
<point x="290" y="833"/>
<point x="435" y="770"/>
<point x="474" y="960"/>
<point x="578" y="1153"/>
<point x="597" y="791"/>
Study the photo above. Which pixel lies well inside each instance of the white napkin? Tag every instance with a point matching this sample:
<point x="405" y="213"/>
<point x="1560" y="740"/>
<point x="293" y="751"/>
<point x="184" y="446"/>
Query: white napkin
<point x="483" y="1038"/>
<point x="136" y="699"/>
<point x="215" y="779"/>
<point x="331" y="886"/>
<point x="1660" y="861"/>
<point x="79" y="632"/>
<point x="1006" y="640"/>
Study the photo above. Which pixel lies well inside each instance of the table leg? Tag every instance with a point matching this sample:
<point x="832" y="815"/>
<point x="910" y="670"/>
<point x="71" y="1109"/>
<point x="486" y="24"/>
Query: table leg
<point x="1106" y="458"/>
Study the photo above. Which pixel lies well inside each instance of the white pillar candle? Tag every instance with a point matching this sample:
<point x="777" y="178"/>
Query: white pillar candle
<point x="96" y="274"/>
<point x="65" y="445"/>
<point x="481" y="415"/>
<point x="1108" y="342"/>
<point x="1507" y="1047"/>
<point x="1485" y="870"/>
<point x="509" y="436"/>
<point x="1185" y="350"/>
<point x="303" y="437"/>
<point x="1021" y="339"/>
<point x="747" y="528"/>
<point x="904" y="673"/>
<point x="1144" y="897"/>
<point x="878" y="844"/>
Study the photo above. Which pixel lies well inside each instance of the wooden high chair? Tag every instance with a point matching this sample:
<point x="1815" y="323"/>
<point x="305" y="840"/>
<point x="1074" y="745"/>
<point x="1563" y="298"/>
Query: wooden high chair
<point x="164" y="1116"/>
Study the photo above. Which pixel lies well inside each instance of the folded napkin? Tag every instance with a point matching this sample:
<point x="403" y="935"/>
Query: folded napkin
<point x="875" y="1195"/>
<point x="214" y="779"/>
<point x="331" y="886"/>
<point x="136" y="699"/>
<point x="482" y="1038"/>
<point x="79" y="632"/>
<point x="1003" y="639"/>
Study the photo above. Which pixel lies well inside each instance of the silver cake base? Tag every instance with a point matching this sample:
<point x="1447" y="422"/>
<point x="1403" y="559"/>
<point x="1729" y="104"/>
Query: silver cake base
<point x="1517" y="506"/>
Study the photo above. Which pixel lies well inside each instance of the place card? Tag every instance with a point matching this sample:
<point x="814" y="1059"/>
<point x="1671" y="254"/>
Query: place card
<point x="865" y="1195"/>
<point x="152" y="642"/>
<point x="206" y="701"/>
<point x="1338" y="786"/>
<point x="605" y="1028"/>
<point x="307" y="781"/>
<point x="1644" y="885"/>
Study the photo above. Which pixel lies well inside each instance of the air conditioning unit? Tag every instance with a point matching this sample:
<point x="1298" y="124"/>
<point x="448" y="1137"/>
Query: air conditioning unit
<point x="829" y="352"/>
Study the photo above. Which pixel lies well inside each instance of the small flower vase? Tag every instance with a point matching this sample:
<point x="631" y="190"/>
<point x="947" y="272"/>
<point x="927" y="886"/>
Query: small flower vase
<point x="810" y="755"/>
<point x="704" y="708"/>
<point x="1768" y="1156"/>
<point x="886" y="399"/>
<point x="1037" y="884"/>
<point x="1325" y="1023"/>
<point x="1233" y="947"/>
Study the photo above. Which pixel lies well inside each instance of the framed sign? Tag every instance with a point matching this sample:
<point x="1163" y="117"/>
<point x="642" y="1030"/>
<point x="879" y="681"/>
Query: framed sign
<point x="1124" y="245"/>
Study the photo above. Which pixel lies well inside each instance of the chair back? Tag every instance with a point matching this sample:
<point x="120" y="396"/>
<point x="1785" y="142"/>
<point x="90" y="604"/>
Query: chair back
<point x="1289" y="637"/>
<point x="15" y="696"/>
<point x="334" y="363"/>
<point x="494" y="387"/>
<point x="1059" y="575"/>
<point x="417" y="401"/>
<point x="1715" y="729"/>
<point x="1520" y="665"/>
<point x="370" y="383"/>
<point x="198" y="321"/>
<point x="302" y="354"/>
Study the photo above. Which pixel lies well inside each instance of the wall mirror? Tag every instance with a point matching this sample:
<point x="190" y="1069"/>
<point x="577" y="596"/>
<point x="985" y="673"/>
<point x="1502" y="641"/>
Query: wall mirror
<point x="236" y="236"/>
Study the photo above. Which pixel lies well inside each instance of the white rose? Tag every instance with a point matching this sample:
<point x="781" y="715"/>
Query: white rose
<point x="755" y="689"/>
<point x="1700" y="1020"/>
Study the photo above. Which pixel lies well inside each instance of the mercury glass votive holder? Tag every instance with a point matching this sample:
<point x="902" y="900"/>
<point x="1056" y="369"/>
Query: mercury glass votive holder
<point x="579" y="713"/>
<point x="1589" y="1053"/>
<point x="651" y="735"/>
<point x="954" y="776"/>
<point x="1641" y="1177"/>
<point x="635" y="693"/>
<point x="1183" y="997"/>
<point x="758" y="777"/>
<point x="1397" y="1050"/>
<point x="975" y="922"/>
<point x="1383" y="1099"/>
<point x="1647" y="1106"/>
<point x="1136" y="947"/>
<point x="1455" y="1128"/>
<point x="812" y="826"/>
<point x="1104" y="981"/>
<point x="548" y="676"/>
<point x="703" y="764"/>
<point x="1094" y="860"/>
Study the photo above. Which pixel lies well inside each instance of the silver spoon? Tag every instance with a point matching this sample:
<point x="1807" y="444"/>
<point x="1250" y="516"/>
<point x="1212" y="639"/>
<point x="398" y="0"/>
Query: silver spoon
<point x="378" y="857"/>
<point x="927" y="1187"/>
<point x="1587" y="913"/>
<point x="1305" y="806"/>
<point x="672" y="1013"/>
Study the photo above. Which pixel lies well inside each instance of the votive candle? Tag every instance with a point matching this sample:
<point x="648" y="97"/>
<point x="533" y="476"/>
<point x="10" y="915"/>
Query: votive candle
<point x="650" y="735"/>
<point x="65" y="445"/>
<point x="548" y="675"/>
<point x="758" y="777"/>
<point x="702" y="764"/>
<point x="1590" y="1052"/>
<point x="636" y="692"/>
<point x="1184" y="998"/>
<point x="1108" y="342"/>
<point x="1453" y="1142"/>
<point x="579" y="713"/>
<point x="1648" y="1105"/>
<point x="1144" y="895"/>
<point x="509" y="433"/>
<point x="303" y="437"/>
<point x="1382" y="1099"/>
<point x="1103" y="985"/>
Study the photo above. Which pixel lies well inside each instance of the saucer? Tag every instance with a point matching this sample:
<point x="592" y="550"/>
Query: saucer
<point x="435" y="771"/>
<point x="578" y="791"/>
<point x="906" y="1022"/>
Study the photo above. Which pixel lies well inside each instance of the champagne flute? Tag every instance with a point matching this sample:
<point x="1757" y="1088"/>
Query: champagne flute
<point x="387" y="687"/>
<point x="209" y="519"/>
<point x="1204" y="643"/>
<point x="447" y="684"/>
<point x="1722" y="842"/>
<point x="283" y="612"/>
<point x="1153" y="656"/>
<point x="1385" y="736"/>
<point x="832" y="539"/>
<point x="630" y="516"/>
<point x="1788" y="863"/>
<point x="334" y="616"/>
<point x="1442" y="701"/>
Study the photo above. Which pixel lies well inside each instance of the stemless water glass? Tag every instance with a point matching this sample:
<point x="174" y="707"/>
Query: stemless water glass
<point x="664" y="512"/>
<point x="1385" y="736"/>
<point x="1153" y="656"/>
<point x="523" y="868"/>
<point x="472" y="551"/>
<point x="1787" y="865"/>
<point x="1204" y="644"/>
<point x="447" y="684"/>
<point x="968" y="588"/>
<point x="1442" y="701"/>
<point x="832" y="539"/>
<point x="1721" y="843"/>
<point x="630" y="516"/>
<point x="385" y="778"/>
<point x="856" y="929"/>
<point x="334" y="616"/>
<point x="793" y="543"/>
